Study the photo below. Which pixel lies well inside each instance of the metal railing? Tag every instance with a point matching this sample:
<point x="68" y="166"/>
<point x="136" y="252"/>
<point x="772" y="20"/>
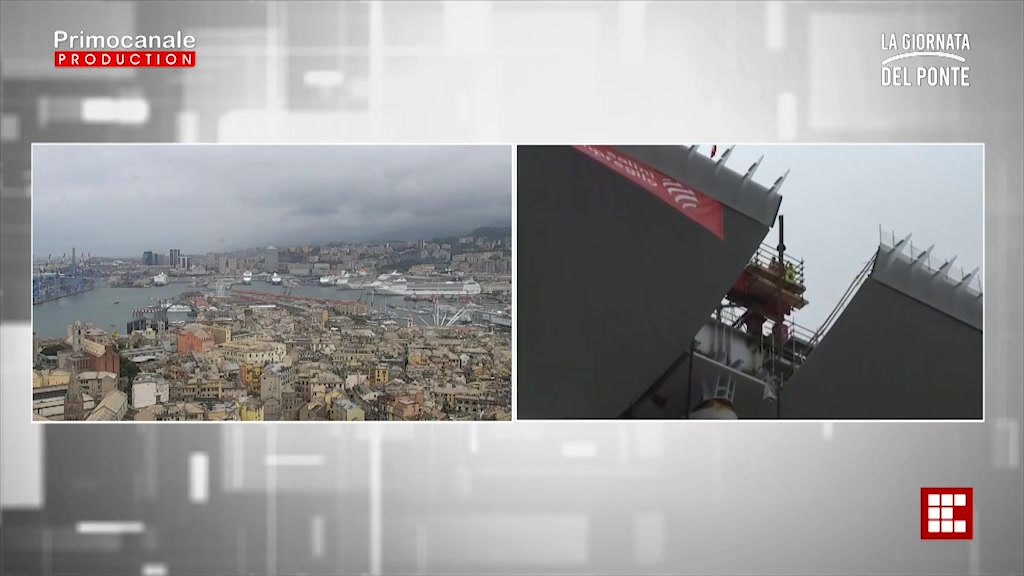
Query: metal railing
<point x="843" y="302"/>
<point x="731" y="317"/>
<point x="766" y="254"/>
<point x="793" y="352"/>
<point x="956" y="274"/>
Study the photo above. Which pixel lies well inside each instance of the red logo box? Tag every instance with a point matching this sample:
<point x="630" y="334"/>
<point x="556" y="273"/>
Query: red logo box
<point x="947" y="513"/>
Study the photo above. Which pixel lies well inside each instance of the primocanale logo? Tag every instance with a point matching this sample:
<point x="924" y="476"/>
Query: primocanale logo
<point x="925" y="60"/>
<point x="99" y="51"/>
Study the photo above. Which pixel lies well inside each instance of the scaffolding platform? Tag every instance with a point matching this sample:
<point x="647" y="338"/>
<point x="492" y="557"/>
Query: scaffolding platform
<point x="772" y="281"/>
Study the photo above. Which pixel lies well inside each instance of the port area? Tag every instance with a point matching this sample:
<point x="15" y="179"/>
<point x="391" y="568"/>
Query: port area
<point x="54" y="286"/>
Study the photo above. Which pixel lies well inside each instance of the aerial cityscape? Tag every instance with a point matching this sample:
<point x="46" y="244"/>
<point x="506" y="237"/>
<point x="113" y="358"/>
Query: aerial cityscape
<point x="384" y="323"/>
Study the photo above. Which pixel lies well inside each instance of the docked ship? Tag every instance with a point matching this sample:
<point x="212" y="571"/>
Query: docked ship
<point x="403" y="287"/>
<point x="247" y="277"/>
<point x="389" y="276"/>
<point x="160" y="279"/>
<point x="342" y="280"/>
<point x="363" y="285"/>
<point x="327" y="280"/>
<point x="275" y="279"/>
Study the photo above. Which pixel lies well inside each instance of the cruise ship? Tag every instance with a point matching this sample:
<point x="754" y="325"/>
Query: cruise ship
<point x="160" y="279"/>
<point x="363" y="285"/>
<point x="389" y="276"/>
<point x="342" y="280"/>
<point x="327" y="280"/>
<point x="402" y="287"/>
<point x="275" y="279"/>
<point x="247" y="277"/>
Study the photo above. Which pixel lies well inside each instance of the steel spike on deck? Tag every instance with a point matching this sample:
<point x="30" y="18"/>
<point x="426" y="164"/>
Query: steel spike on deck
<point x="722" y="159"/>
<point x="749" y="176"/>
<point x="625" y="251"/>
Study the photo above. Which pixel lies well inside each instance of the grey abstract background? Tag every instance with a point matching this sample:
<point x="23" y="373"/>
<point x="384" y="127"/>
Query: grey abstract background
<point x="530" y="497"/>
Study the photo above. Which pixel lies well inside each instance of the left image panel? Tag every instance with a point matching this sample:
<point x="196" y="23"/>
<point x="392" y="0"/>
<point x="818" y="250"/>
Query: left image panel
<point x="179" y="282"/>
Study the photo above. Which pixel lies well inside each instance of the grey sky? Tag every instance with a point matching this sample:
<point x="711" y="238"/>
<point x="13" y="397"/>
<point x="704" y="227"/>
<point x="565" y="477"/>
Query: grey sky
<point x="836" y="197"/>
<point x="122" y="200"/>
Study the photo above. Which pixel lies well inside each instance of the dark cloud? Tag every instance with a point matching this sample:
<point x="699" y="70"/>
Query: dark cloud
<point x="122" y="200"/>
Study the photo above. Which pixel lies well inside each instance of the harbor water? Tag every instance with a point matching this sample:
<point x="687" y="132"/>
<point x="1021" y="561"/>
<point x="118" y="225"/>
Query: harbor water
<point x="111" y="308"/>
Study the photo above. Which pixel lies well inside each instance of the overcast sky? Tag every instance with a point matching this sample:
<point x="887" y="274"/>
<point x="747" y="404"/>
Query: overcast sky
<point x="836" y="197"/>
<point x="123" y="200"/>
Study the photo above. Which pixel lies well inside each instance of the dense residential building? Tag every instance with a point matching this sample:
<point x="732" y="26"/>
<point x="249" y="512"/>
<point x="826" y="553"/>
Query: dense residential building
<point x="194" y="338"/>
<point x="277" y="344"/>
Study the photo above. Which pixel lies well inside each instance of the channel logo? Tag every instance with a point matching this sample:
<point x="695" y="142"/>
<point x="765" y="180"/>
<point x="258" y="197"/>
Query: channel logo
<point x="947" y="513"/>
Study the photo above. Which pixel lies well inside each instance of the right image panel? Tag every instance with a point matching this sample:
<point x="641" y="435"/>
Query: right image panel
<point x="799" y="282"/>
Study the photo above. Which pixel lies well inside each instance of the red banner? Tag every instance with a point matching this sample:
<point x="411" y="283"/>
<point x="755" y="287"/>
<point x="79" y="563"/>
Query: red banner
<point x="692" y="203"/>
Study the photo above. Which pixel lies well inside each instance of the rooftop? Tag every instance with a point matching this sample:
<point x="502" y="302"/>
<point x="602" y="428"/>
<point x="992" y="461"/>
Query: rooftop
<point x="95" y="375"/>
<point x="109" y="407"/>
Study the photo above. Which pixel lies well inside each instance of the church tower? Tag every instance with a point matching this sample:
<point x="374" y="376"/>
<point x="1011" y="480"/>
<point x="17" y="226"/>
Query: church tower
<point x="74" y="399"/>
<point x="77" y="338"/>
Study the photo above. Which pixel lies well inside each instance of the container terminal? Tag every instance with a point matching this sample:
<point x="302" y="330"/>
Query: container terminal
<point x="57" y="279"/>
